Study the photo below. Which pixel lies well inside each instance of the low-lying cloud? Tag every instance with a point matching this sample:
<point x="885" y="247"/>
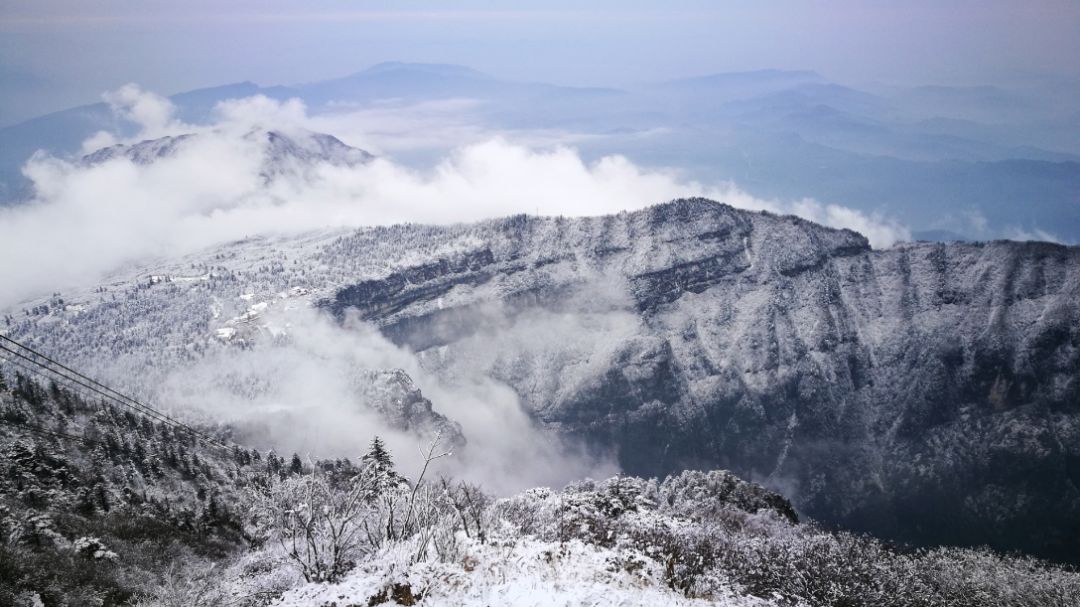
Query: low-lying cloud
<point x="88" y="219"/>
<point x="298" y="392"/>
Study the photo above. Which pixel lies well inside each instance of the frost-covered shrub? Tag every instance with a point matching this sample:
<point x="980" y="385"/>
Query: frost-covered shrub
<point x="817" y="568"/>
<point x="195" y="586"/>
<point x="262" y="575"/>
<point x="447" y="541"/>
<point x="255" y="579"/>
<point x="434" y="523"/>
<point x="317" y="522"/>
<point x="711" y="532"/>
<point x="970" y="578"/>
<point x="695" y="495"/>
<point x="586" y="515"/>
<point x="327" y="522"/>
<point x="530" y="512"/>
<point x="93" y="548"/>
<point x="38" y="530"/>
<point x="21" y="599"/>
<point x="471" y="505"/>
<point x="587" y="510"/>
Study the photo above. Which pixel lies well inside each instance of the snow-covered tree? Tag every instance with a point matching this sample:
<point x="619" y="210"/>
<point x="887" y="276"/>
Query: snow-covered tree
<point x="319" y="524"/>
<point x="379" y="460"/>
<point x="295" y="465"/>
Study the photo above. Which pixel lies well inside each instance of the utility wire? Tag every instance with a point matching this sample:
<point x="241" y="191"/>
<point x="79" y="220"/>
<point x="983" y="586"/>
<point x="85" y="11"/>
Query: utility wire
<point x="100" y="388"/>
<point x="41" y="375"/>
<point x="76" y="381"/>
<point x="47" y="432"/>
<point x="20" y="364"/>
<point x="120" y="395"/>
<point x="78" y="388"/>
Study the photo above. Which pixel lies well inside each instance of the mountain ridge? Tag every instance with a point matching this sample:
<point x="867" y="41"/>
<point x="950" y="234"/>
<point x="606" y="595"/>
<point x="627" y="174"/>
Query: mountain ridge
<point x="905" y="391"/>
<point x="812" y="334"/>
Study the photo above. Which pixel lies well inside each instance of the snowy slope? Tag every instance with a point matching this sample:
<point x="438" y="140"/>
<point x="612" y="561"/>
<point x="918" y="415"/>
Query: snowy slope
<point x="524" y="573"/>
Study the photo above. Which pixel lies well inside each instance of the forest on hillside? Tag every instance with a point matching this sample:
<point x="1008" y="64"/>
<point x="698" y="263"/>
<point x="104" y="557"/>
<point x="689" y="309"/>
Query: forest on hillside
<point x="101" y="505"/>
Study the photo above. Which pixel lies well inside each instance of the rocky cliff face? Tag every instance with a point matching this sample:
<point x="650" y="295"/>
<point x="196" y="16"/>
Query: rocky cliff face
<point x="394" y="396"/>
<point x="928" y="392"/>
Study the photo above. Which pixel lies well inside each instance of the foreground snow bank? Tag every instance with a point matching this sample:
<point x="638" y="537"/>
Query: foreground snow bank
<point x="519" y="571"/>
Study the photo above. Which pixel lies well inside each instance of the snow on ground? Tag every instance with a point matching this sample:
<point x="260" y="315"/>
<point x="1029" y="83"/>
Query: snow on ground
<point x="522" y="572"/>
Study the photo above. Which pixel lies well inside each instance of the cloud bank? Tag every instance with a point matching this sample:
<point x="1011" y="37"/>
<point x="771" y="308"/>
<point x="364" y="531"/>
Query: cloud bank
<point x="89" y="219"/>
<point x="307" y="391"/>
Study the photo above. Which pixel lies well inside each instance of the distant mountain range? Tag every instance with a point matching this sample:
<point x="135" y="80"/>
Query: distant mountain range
<point x="982" y="162"/>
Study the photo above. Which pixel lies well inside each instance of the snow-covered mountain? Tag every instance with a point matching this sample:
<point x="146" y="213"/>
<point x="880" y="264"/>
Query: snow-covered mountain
<point x="141" y="153"/>
<point x="282" y="153"/>
<point x="927" y="392"/>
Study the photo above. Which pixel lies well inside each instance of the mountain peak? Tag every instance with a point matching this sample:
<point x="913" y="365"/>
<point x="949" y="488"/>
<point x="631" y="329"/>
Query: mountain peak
<point x="687" y="206"/>
<point x="758" y="77"/>
<point x="430" y="69"/>
<point x="283" y="152"/>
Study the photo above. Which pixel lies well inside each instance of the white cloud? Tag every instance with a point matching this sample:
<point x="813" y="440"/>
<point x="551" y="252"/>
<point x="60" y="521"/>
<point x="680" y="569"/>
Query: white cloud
<point x="880" y="231"/>
<point x="1033" y="234"/>
<point x="976" y="222"/>
<point x="154" y="114"/>
<point x="394" y="127"/>
<point x="97" y="141"/>
<point x="87" y="220"/>
<point x="306" y="401"/>
<point x="261" y="112"/>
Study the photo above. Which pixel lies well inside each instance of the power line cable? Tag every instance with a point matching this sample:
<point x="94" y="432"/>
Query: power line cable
<point x="101" y="389"/>
<point x="85" y="378"/>
<point x="32" y="428"/>
<point x="46" y="431"/>
<point x="71" y="386"/>
<point x="74" y="380"/>
<point x="39" y="374"/>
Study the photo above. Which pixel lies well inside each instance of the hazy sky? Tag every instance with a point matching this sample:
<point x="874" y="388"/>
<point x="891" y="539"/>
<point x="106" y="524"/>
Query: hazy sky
<point x="55" y="54"/>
